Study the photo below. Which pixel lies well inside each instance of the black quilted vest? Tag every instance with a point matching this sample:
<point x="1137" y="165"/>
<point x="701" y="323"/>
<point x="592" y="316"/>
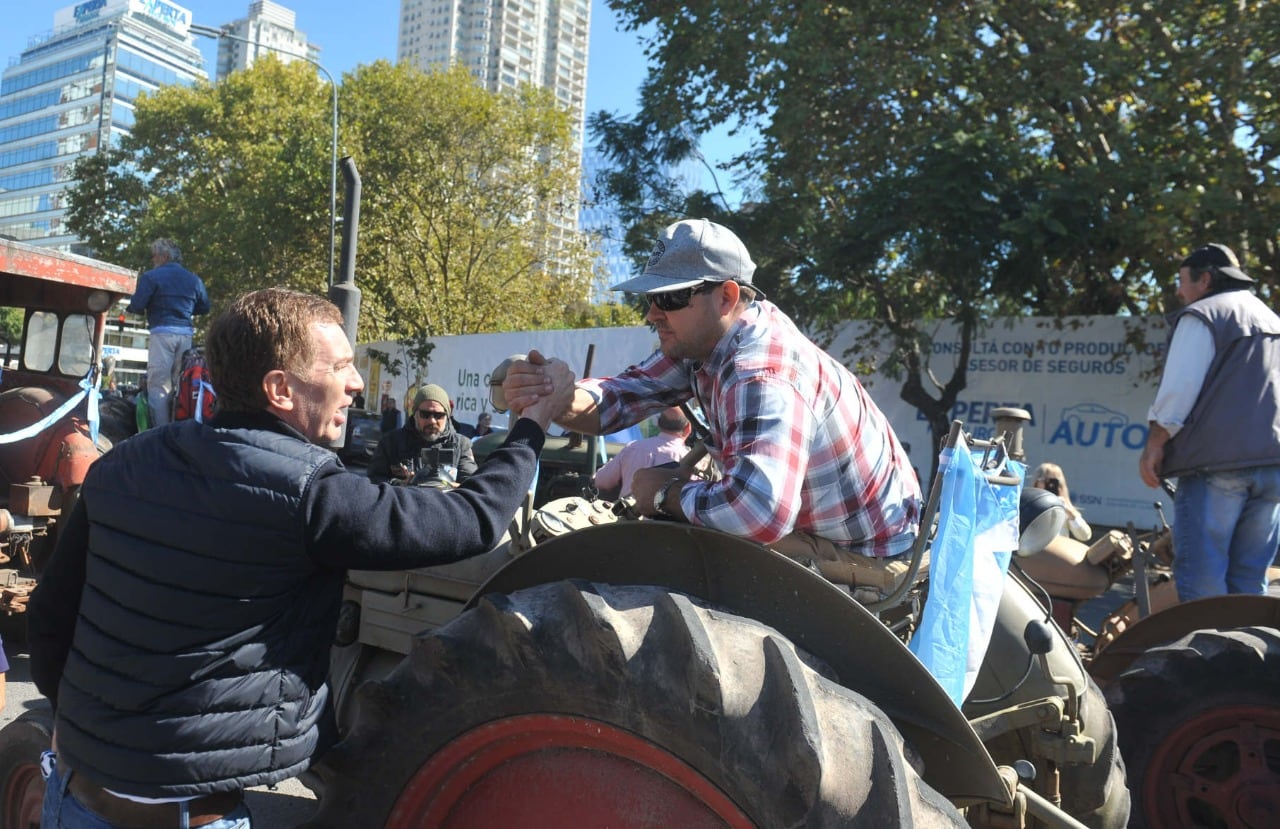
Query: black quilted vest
<point x="201" y="649"/>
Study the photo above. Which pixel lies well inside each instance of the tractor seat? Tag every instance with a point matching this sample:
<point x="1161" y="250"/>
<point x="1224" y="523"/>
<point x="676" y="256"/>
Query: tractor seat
<point x="880" y="574"/>
<point x="1063" y="568"/>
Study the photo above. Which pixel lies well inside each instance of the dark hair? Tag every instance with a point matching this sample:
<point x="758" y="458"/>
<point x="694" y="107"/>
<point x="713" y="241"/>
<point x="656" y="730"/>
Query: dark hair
<point x="672" y="420"/>
<point x="261" y="332"/>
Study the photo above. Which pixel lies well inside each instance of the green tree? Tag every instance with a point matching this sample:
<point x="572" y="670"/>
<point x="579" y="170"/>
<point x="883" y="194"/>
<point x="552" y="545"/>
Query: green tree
<point x="11" y="320"/>
<point x="468" y="196"/>
<point x="237" y="173"/>
<point x="930" y="160"/>
<point x="470" y="203"/>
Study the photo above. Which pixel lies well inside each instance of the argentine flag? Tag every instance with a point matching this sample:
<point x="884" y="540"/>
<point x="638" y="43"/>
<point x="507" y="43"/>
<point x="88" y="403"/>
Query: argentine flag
<point x="977" y="534"/>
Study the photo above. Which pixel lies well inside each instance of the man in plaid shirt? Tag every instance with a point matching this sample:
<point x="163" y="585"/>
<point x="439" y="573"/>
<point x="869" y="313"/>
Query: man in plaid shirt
<point x="806" y="453"/>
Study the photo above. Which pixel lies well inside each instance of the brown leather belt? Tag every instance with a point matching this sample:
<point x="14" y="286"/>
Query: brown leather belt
<point x="130" y="814"/>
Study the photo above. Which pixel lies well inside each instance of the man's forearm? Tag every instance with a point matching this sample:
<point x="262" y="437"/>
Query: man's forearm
<point x="1152" y="460"/>
<point x="583" y="414"/>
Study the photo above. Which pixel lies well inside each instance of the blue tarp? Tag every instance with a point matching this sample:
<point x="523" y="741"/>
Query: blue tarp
<point x="977" y="534"/>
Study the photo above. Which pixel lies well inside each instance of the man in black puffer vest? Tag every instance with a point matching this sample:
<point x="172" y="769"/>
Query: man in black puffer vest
<point x="183" y="626"/>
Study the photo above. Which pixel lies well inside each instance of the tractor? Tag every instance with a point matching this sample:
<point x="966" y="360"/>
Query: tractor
<point x="600" y="670"/>
<point x="48" y="397"/>
<point x="1194" y="686"/>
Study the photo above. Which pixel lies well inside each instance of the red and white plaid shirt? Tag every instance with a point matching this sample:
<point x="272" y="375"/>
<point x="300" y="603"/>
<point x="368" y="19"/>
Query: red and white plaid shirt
<point x="802" y="445"/>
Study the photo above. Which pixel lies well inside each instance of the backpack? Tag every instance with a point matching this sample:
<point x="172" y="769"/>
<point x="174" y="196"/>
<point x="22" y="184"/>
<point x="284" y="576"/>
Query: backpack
<point x="195" y="394"/>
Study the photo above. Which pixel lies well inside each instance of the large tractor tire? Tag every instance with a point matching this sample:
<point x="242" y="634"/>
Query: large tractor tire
<point x="577" y="704"/>
<point x="21" y="784"/>
<point x="1097" y="794"/>
<point x="1199" y="724"/>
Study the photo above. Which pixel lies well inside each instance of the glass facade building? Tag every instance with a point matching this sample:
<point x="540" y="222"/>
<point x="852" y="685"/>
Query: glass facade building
<point x="72" y="93"/>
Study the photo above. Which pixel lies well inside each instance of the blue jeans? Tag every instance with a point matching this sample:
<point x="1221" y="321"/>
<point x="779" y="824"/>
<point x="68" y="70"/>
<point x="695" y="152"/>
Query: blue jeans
<point x="62" y="811"/>
<point x="1226" y="531"/>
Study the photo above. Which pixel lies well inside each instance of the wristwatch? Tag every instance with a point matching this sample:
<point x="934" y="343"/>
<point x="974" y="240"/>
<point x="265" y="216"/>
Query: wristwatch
<point x="660" y="497"/>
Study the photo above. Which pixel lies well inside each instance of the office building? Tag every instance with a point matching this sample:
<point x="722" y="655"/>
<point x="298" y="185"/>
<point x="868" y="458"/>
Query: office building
<point x="505" y="43"/>
<point x="272" y="28"/>
<point x="72" y="94"/>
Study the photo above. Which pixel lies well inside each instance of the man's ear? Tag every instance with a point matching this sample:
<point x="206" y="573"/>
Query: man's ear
<point x="729" y="295"/>
<point x="275" y="385"/>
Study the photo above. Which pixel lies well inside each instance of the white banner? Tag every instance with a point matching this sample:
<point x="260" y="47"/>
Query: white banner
<point x="461" y="364"/>
<point x="1086" y="388"/>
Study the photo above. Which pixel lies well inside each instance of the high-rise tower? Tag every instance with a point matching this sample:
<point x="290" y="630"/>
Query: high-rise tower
<point x="72" y="93"/>
<point x="273" y="30"/>
<point x="505" y="43"/>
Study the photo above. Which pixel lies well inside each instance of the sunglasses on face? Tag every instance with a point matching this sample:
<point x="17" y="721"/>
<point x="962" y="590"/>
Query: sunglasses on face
<point x="424" y="414"/>
<point x="675" y="300"/>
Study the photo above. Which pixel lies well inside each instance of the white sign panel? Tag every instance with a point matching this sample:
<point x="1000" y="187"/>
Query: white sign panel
<point x="85" y="12"/>
<point x="172" y="15"/>
<point x="461" y="364"/>
<point x="1087" y="389"/>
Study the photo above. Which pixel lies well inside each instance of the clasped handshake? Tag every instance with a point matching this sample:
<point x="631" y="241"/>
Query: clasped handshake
<point x="533" y="386"/>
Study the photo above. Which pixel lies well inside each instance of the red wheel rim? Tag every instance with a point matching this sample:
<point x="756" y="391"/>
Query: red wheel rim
<point x="24" y="797"/>
<point x="1221" y="768"/>
<point x="543" y="770"/>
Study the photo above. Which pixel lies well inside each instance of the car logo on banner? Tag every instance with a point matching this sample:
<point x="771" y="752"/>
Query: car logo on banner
<point x="1093" y="425"/>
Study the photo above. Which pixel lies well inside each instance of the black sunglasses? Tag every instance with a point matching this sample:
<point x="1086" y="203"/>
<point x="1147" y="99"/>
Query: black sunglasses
<point x="675" y="300"/>
<point x="424" y="414"/>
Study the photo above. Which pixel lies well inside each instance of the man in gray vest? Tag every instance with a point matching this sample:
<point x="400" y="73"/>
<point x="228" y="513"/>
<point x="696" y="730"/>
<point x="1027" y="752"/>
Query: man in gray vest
<point x="1215" y="426"/>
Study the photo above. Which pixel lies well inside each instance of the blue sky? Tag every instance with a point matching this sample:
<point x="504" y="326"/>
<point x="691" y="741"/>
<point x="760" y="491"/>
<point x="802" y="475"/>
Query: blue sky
<point x="350" y="34"/>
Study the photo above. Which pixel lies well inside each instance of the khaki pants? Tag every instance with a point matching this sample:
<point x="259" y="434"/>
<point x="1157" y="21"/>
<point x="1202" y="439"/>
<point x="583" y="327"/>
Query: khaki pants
<point x="844" y="567"/>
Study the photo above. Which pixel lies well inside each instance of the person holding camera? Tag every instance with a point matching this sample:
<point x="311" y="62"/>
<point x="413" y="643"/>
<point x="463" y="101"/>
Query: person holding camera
<point x="1049" y="476"/>
<point x="427" y="450"/>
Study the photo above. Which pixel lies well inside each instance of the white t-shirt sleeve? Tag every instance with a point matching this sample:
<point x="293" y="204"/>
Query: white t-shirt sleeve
<point x="1190" y="353"/>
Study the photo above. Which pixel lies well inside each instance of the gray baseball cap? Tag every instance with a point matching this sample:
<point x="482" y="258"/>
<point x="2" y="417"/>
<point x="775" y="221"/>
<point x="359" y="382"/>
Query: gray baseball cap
<point x="690" y="252"/>
<point x="1216" y="256"/>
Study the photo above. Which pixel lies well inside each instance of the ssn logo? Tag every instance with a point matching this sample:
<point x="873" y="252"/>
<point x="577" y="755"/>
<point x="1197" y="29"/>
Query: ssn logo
<point x="1094" y="425"/>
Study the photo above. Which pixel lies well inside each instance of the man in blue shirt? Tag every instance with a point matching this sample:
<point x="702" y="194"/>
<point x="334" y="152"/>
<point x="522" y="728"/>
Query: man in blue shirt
<point x="170" y="295"/>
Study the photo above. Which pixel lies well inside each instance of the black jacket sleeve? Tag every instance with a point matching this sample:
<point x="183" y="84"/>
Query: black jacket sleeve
<point x="379" y="470"/>
<point x="55" y="603"/>
<point x="355" y="523"/>
<point x="466" y="459"/>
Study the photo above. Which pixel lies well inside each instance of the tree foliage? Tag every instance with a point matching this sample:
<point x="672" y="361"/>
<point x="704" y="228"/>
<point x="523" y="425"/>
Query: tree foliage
<point x="470" y="203"/>
<point x="236" y="173"/>
<point x="962" y="160"/>
<point x="465" y="194"/>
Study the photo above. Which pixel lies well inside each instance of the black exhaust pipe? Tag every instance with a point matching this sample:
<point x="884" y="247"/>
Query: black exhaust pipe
<point x="344" y="293"/>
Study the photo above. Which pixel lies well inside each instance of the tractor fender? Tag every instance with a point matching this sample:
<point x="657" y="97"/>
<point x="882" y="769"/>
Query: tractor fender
<point x="817" y="616"/>
<point x="1218" y="612"/>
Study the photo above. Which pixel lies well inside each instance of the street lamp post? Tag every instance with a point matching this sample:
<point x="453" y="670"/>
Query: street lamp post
<point x="217" y="34"/>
